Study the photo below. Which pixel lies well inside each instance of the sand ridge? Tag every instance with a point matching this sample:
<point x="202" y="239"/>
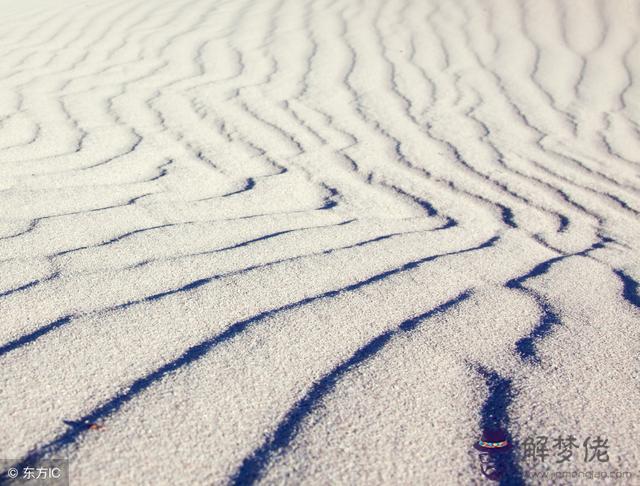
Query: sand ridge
<point x="281" y="241"/>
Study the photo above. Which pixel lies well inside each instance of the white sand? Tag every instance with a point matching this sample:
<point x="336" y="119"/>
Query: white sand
<point x="323" y="242"/>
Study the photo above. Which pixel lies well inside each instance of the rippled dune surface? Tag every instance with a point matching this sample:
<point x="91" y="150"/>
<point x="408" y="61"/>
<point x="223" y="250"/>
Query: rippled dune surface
<point x="317" y="242"/>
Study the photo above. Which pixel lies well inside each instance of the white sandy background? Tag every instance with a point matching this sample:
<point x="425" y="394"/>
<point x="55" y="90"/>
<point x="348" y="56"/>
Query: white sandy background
<point x="317" y="242"/>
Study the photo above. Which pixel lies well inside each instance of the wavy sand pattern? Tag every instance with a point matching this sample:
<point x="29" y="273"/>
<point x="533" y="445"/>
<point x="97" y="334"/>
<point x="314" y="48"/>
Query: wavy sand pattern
<point x="320" y="242"/>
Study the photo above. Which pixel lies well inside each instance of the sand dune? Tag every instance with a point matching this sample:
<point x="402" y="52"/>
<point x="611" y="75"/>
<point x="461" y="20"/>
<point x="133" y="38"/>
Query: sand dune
<point x="318" y="242"/>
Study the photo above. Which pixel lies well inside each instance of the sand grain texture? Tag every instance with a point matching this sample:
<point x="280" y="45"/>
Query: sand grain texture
<point x="317" y="242"/>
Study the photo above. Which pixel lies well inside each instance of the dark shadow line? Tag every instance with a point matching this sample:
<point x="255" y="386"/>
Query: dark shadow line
<point x="29" y="285"/>
<point x="32" y="336"/>
<point x="26" y="286"/>
<point x="199" y="350"/>
<point x="629" y="288"/>
<point x="253" y="466"/>
<point x="525" y="347"/>
<point x="494" y="415"/>
<point x="249" y="184"/>
<point x="255" y="240"/>
<point x="201" y="282"/>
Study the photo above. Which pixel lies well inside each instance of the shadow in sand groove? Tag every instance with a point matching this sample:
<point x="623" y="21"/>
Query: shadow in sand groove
<point x="197" y="351"/>
<point x="494" y="416"/>
<point x="629" y="288"/>
<point x="254" y="465"/>
<point x="32" y="336"/>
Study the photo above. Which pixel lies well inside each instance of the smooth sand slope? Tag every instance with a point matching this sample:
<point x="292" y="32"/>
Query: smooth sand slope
<point x="318" y="242"/>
